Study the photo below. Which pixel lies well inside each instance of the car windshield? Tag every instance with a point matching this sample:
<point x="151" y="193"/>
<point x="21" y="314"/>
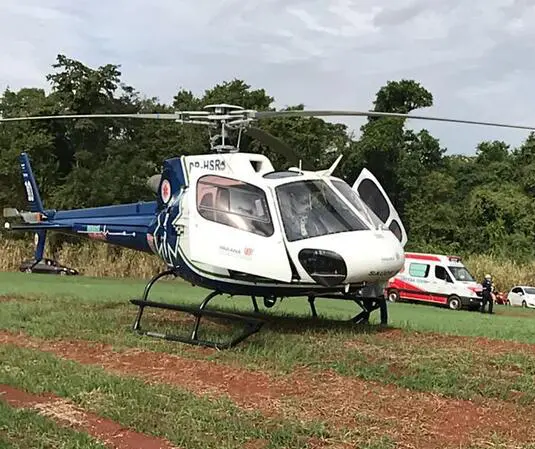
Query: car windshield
<point x="312" y="209"/>
<point x="461" y="274"/>
<point x="529" y="290"/>
<point x="352" y="196"/>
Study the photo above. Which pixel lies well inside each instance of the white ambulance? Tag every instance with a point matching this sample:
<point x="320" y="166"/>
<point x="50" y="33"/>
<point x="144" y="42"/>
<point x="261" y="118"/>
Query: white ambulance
<point x="437" y="279"/>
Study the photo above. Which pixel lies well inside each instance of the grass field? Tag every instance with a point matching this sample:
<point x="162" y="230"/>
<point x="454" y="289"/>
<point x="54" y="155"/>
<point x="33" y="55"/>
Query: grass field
<point x="433" y="378"/>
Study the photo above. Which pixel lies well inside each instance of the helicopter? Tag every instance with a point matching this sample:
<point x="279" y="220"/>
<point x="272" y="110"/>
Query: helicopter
<point x="229" y="222"/>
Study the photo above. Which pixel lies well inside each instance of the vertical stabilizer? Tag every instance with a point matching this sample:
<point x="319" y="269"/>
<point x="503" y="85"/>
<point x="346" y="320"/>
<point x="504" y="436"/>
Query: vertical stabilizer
<point x="30" y="186"/>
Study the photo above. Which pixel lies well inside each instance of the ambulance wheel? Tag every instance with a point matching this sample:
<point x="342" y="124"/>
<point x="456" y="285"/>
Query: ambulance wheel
<point x="393" y="295"/>
<point x="454" y="302"/>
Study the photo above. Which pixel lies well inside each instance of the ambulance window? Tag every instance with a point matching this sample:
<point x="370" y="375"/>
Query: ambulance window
<point x="419" y="270"/>
<point x="234" y="203"/>
<point x="441" y="273"/>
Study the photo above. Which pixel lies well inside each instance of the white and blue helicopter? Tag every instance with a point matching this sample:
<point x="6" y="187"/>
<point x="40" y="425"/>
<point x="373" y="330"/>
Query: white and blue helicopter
<point x="231" y="223"/>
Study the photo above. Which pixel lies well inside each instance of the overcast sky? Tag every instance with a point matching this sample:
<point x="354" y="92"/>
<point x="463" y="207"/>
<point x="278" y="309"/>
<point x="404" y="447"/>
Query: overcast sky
<point x="476" y="57"/>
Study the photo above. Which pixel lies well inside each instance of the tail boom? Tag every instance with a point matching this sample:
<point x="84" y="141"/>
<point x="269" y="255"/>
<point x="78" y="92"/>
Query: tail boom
<point x="124" y="225"/>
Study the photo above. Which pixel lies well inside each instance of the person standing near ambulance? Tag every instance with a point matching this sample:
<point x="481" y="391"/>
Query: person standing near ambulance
<point x="487" y="293"/>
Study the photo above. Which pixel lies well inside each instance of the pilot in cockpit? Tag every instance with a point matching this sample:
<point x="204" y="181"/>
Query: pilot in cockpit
<point x="297" y="207"/>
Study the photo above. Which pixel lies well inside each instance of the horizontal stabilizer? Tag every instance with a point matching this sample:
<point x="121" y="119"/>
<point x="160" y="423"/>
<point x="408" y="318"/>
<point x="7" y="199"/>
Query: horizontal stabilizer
<point x="27" y="217"/>
<point x="11" y="212"/>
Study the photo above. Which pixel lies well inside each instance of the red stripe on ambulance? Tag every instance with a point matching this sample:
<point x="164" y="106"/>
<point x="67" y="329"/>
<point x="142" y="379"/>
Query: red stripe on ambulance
<point x="422" y="257"/>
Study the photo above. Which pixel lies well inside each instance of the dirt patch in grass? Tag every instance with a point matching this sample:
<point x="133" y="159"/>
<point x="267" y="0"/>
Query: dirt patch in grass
<point x="64" y="412"/>
<point x="517" y="313"/>
<point x="427" y="339"/>
<point x="412" y="419"/>
<point x="6" y="298"/>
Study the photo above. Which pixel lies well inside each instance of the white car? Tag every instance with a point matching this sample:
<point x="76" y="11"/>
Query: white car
<point x="522" y="296"/>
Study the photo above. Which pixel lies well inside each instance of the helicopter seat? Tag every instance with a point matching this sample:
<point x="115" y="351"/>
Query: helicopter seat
<point x="206" y="206"/>
<point x="223" y="206"/>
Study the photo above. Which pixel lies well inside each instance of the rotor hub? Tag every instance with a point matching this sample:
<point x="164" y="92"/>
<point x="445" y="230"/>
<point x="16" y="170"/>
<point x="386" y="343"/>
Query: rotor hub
<point x="226" y="117"/>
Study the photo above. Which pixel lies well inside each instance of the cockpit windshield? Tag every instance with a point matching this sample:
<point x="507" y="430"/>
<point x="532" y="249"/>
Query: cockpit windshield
<point x="312" y="209"/>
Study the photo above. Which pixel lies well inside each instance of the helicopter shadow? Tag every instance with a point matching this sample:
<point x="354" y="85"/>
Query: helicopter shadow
<point x="286" y="324"/>
<point x="275" y="325"/>
<point x="297" y="323"/>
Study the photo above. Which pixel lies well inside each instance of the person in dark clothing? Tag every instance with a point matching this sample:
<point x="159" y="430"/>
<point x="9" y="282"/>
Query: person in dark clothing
<point x="487" y="293"/>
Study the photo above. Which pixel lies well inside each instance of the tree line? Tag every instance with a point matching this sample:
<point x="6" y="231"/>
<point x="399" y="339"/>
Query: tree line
<point x="449" y="203"/>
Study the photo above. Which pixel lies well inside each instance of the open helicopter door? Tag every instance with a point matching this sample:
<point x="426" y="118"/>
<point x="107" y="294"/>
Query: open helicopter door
<point x="374" y="196"/>
<point x="233" y="227"/>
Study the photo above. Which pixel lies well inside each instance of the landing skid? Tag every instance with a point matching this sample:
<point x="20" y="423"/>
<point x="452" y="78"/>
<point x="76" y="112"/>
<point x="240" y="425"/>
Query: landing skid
<point x="252" y="324"/>
<point x="368" y="305"/>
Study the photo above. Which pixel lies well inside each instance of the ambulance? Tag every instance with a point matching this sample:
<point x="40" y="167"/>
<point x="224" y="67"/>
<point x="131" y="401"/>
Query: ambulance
<point x="437" y="279"/>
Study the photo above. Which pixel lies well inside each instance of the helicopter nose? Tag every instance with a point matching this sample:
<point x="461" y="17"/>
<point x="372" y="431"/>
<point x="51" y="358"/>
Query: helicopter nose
<point x="381" y="257"/>
<point x="353" y="258"/>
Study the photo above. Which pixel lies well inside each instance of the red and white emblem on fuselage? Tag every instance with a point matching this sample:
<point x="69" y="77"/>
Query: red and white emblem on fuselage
<point x="165" y="191"/>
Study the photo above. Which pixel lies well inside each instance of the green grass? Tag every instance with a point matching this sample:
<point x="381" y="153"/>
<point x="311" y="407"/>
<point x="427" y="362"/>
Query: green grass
<point x="507" y="323"/>
<point x="25" y="429"/>
<point x="98" y="310"/>
<point x="161" y="410"/>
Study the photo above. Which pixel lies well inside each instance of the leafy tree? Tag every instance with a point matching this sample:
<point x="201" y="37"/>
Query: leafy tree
<point x="395" y="155"/>
<point x="479" y="203"/>
<point x="503" y="221"/>
<point x="402" y="97"/>
<point x="523" y="161"/>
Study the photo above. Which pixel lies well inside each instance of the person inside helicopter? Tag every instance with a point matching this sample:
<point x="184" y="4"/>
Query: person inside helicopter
<point x="296" y="209"/>
<point x="312" y="209"/>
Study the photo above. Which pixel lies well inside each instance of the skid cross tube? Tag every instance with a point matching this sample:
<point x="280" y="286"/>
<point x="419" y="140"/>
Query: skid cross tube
<point x="368" y="305"/>
<point x="252" y="324"/>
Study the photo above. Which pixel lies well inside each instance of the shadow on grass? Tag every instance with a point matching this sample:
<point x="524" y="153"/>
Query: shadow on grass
<point x="297" y="324"/>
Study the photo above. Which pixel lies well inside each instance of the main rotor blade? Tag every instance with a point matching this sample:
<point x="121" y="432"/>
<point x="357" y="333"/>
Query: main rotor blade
<point x="163" y="116"/>
<point x="277" y="145"/>
<point x="316" y="113"/>
<point x="204" y="117"/>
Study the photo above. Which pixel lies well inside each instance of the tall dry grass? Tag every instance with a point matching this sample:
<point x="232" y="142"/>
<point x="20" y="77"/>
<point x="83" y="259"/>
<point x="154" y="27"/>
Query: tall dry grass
<point x="90" y="258"/>
<point x="98" y="259"/>
<point x="506" y="273"/>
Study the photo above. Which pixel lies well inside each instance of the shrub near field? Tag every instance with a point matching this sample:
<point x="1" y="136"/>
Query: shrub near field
<point x="101" y="260"/>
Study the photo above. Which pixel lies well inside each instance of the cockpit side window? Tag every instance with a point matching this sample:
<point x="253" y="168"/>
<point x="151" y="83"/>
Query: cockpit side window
<point x="357" y="202"/>
<point x="234" y="203"/>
